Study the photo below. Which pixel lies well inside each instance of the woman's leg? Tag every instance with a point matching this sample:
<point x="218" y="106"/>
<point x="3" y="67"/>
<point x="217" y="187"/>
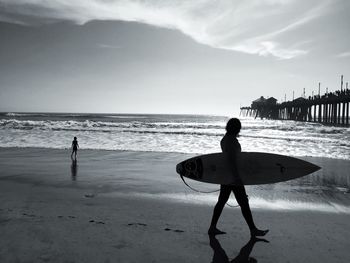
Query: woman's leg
<point x="242" y="200"/>
<point x="224" y="195"/>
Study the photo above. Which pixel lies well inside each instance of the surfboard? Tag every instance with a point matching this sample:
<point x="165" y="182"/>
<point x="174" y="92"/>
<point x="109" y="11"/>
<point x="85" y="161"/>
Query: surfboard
<point x="253" y="167"/>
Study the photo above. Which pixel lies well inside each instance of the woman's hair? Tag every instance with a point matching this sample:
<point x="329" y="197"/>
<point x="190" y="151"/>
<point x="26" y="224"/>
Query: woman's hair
<point x="233" y="126"/>
<point x="75" y="138"/>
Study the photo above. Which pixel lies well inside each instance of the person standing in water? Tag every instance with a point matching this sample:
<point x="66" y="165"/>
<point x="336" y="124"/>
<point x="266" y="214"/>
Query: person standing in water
<point x="231" y="146"/>
<point x="75" y="147"/>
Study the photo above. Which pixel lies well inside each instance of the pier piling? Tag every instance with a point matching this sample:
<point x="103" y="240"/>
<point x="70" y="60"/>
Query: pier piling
<point x="329" y="108"/>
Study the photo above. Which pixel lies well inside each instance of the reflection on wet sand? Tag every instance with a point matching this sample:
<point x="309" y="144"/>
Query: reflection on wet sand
<point x="74" y="170"/>
<point x="220" y="255"/>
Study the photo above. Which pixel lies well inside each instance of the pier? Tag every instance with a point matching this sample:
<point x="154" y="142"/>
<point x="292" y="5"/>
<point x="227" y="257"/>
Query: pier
<point x="330" y="108"/>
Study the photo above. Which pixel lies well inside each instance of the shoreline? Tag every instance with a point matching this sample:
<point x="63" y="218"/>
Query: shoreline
<point x="304" y="157"/>
<point x="152" y="175"/>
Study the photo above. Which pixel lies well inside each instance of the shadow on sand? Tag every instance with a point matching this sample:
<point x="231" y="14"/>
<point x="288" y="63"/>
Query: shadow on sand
<point x="243" y="256"/>
<point x="74" y="170"/>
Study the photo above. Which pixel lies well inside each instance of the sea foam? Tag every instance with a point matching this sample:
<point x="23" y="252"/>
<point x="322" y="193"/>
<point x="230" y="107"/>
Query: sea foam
<point x="170" y="133"/>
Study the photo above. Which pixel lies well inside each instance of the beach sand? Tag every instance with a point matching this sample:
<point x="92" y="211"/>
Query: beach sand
<point x="114" y="207"/>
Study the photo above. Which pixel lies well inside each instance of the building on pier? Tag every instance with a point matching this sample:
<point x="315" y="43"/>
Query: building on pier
<point x="262" y="108"/>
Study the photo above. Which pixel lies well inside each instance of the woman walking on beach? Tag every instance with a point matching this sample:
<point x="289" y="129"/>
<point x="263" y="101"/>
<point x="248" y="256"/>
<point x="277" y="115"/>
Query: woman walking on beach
<point x="75" y="147"/>
<point x="231" y="146"/>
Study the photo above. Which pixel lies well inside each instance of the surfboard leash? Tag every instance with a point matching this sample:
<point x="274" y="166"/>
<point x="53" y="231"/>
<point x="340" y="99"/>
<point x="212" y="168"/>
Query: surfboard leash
<point x="198" y="191"/>
<point x="204" y="192"/>
<point x="233" y="206"/>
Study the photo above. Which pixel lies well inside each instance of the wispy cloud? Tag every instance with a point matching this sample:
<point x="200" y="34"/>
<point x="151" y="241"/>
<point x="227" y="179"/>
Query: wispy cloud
<point x="108" y="46"/>
<point x="343" y="55"/>
<point x="266" y="48"/>
<point x="258" y="27"/>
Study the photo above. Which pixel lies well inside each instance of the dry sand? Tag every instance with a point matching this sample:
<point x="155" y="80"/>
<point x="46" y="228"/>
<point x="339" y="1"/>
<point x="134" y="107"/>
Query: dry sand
<point x="51" y="213"/>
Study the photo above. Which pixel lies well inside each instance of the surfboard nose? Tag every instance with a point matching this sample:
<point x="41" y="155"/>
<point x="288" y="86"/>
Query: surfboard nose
<point x="311" y="168"/>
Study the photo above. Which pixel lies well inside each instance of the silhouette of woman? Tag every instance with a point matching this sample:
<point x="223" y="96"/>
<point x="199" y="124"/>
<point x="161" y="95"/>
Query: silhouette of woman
<point x="220" y="255"/>
<point x="75" y="147"/>
<point x="231" y="146"/>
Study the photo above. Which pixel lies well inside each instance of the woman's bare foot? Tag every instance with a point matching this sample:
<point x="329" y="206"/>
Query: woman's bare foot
<point x="258" y="233"/>
<point x="214" y="231"/>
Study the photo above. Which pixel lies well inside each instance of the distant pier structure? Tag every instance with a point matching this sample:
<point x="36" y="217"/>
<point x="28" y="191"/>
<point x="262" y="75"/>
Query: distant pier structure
<point x="330" y="108"/>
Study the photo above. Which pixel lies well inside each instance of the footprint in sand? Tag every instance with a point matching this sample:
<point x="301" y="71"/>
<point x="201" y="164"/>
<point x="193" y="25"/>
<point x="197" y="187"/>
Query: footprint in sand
<point x="67" y="216"/>
<point x="29" y="215"/>
<point x="4" y="221"/>
<point x="97" y="222"/>
<point x="90" y="195"/>
<point x="174" y="230"/>
<point x="137" y="224"/>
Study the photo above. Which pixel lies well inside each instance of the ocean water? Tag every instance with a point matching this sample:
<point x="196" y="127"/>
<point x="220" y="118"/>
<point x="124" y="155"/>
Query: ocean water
<point x="170" y="133"/>
<point x="325" y="190"/>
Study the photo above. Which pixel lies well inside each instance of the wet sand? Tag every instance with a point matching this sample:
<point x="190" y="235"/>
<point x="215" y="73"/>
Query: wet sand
<point x="53" y="212"/>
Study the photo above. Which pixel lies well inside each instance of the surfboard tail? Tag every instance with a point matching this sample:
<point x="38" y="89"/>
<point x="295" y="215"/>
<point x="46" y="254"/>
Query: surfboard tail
<point x="179" y="169"/>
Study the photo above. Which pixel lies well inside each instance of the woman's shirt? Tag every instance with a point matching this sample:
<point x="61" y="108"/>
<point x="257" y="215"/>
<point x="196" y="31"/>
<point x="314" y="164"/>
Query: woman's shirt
<point x="230" y="145"/>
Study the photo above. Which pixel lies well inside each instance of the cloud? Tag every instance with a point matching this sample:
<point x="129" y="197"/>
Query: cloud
<point x="266" y="48"/>
<point x="258" y="27"/>
<point x="343" y="55"/>
<point x="108" y="46"/>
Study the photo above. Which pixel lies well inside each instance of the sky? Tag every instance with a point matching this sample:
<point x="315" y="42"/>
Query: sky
<point x="168" y="56"/>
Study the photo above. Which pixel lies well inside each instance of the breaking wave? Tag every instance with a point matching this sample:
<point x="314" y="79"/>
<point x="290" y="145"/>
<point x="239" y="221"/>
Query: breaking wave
<point x="170" y="133"/>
